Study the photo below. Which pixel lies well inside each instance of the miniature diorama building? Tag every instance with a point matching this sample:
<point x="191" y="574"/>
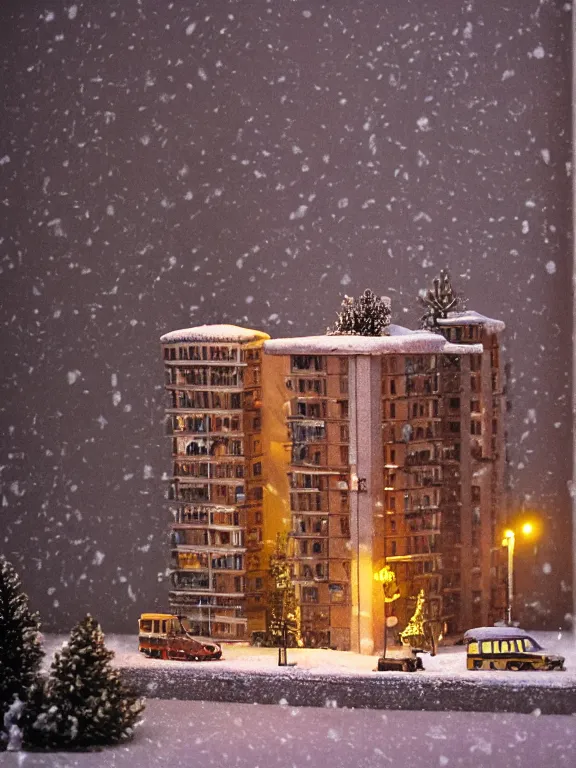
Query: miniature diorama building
<point x="210" y="404"/>
<point x="365" y="451"/>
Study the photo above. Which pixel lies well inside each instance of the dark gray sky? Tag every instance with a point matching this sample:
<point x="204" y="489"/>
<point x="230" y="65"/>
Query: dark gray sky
<point x="172" y="164"/>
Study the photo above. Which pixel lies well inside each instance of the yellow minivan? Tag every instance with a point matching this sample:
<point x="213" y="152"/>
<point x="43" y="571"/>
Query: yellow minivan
<point x="507" y="648"/>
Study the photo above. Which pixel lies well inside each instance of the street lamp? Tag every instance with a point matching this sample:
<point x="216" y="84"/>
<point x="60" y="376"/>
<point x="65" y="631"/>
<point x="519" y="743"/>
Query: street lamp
<point x="387" y="578"/>
<point x="509" y="541"/>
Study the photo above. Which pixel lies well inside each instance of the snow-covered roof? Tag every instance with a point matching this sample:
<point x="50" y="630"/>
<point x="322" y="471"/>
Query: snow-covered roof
<point x="494" y="633"/>
<point x="400" y="340"/>
<point x="217" y="333"/>
<point x="472" y="318"/>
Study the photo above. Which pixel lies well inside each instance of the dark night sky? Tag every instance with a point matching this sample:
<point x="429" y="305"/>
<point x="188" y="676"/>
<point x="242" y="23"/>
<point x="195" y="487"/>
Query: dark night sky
<point x="171" y="164"/>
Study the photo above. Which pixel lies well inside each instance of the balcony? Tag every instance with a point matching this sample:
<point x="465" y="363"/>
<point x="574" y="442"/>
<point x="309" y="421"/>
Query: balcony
<point x="189" y="523"/>
<point x="307" y="430"/>
<point x="214" y="471"/>
<point x="211" y="547"/>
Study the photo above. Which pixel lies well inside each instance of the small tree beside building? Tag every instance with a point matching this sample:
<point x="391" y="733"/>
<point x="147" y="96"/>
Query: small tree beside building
<point x="284" y="611"/>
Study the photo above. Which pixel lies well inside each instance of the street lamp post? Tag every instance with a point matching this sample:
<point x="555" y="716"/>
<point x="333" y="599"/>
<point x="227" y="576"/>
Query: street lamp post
<point x="387" y="578"/>
<point x="510" y="542"/>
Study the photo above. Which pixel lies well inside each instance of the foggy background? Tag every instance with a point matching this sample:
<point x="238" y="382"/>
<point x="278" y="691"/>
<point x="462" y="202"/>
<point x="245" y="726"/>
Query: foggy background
<point x="171" y="164"/>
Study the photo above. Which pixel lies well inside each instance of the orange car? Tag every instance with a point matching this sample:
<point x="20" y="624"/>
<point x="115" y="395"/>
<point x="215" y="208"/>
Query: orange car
<point x="165" y="636"/>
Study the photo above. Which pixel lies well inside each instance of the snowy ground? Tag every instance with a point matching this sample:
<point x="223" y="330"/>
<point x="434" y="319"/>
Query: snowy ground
<point x="449" y="662"/>
<point x="217" y="735"/>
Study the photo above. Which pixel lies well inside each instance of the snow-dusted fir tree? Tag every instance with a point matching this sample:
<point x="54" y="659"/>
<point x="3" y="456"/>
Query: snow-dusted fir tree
<point x="84" y="702"/>
<point x="20" y="649"/>
<point x="283" y="605"/>
<point x="368" y="315"/>
<point x="438" y="301"/>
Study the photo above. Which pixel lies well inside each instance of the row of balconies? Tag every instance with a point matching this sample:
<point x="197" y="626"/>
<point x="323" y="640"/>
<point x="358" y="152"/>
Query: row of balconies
<point x="204" y="424"/>
<point x="206" y="400"/>
<point x="198" y="515"/>
<point x="214" y="470"/>
<point x="206" y="537"/>
<point x="209" y="376"/>
<point x="204" y="353"/>
<point x="306" y="432"/>
<point x="422" y="458"/>
<point x="225" y="583"/>
<point x="210" y="601"/>
<point x="217" y="446"/>
<point x="206" y="561"/>
<point x="211" y="493"/>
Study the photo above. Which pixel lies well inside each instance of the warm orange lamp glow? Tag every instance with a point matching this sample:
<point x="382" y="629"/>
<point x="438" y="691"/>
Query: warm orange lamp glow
<point x="527" y="529"/>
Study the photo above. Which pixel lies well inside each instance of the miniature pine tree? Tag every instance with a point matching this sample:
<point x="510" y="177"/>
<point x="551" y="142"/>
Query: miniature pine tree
<point x="20" y="649"/>
<point x="368" y="315"/>
<point x="284" y="608"/>
<point x="84" y="702"/>
<point x="438" y="301"/>
<point x="414" y="634"/>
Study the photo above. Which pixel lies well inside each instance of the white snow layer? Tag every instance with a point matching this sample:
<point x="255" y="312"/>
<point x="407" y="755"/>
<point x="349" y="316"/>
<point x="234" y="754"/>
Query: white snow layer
<point x="216" y="333"/>
<point x="400" y="340"/>
<point x="473" y="318"/>
<point x="242" y="659"/>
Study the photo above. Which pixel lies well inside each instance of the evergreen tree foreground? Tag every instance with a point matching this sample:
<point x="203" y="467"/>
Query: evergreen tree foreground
<point x="84" y="702"/>
<point x="20" y="648"/>
<point x="369" y="315"/>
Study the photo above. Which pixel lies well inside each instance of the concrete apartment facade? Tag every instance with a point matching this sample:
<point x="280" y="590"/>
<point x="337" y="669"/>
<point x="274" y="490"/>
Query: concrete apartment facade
<point x="364" y="451"/>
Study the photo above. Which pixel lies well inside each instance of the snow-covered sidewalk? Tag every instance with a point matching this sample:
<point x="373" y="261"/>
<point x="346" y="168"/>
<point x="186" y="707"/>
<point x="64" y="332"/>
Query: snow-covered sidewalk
<point x="338" y="679"/>
<point x="449" y="662"/>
